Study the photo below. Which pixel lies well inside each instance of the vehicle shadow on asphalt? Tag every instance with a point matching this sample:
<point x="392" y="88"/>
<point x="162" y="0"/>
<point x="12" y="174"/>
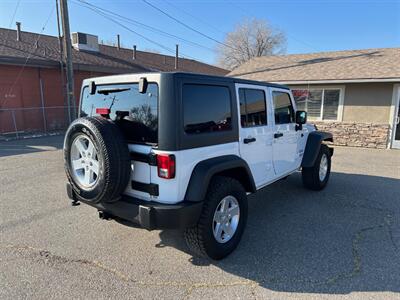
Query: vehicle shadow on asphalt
<point x="339" y="240"/>
<point x="17" y="147"/>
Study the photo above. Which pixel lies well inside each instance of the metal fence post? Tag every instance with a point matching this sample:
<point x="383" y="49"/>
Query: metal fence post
<point x="15" y="123"/>
<point x="43" y="108"/>
<point x="21" y="125"/>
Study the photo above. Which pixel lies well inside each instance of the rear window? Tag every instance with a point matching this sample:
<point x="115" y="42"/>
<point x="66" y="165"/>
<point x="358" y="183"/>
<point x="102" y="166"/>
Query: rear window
<point x="206" y="108"/>
<point x="141" y="123"/>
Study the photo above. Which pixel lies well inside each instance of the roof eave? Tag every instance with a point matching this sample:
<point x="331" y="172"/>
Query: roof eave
<point x="334" y="81"/>
<point x="32" y="62"/>
<point x="40" y="63"/>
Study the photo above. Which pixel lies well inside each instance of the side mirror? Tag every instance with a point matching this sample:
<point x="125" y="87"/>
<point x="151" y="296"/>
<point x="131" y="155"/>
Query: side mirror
<point x="301" y="117"/>
<point x="143" y="85"/>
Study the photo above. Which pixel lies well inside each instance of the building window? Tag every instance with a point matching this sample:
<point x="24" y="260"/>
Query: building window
<point x="252" y="107"/>
<point x="320" y="104"/>
<point x="206" y="108"/>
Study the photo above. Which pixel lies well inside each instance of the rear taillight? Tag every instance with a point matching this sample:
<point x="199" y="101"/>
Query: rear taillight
<point x="166" y="165"/>
<point x="104" y="112"/>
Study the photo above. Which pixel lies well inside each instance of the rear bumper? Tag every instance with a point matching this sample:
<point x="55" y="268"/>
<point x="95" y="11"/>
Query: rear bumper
<point x="149" y="215"/>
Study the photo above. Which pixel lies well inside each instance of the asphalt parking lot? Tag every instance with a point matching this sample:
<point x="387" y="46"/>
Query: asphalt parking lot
<point x="298" y="244"/>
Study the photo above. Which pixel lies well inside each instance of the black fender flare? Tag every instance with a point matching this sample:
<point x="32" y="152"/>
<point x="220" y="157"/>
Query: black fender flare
<point x="233" y="165"/>
<point x="313" y="146"/>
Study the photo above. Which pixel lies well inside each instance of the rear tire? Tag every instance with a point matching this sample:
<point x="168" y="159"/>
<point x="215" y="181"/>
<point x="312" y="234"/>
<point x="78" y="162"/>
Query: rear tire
<point x="316" y="177"/>
<point x="204" y="239"/>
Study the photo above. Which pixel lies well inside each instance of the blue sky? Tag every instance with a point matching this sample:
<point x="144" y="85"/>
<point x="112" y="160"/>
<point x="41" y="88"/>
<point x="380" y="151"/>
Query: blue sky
<point x="310" y="26"/>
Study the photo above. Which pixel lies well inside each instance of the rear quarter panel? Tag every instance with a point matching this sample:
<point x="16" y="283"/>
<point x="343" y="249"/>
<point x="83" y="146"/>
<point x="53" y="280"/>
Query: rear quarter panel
<point x="173" y="190"/>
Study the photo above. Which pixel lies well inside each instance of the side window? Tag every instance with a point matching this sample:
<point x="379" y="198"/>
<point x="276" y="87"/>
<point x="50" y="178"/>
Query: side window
<point x="284" y="112"/>
<point x="206" y="108"/>
<point x="252" y="107"/>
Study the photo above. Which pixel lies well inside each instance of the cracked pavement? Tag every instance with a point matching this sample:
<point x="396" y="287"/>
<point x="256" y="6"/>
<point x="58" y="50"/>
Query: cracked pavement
<point x="343" y="242"/>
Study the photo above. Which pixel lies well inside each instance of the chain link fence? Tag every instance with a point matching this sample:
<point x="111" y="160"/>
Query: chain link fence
<point x="33" y="121"/>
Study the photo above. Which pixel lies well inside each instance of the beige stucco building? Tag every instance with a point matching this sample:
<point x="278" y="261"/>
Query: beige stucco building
<point x="354" y="94"/>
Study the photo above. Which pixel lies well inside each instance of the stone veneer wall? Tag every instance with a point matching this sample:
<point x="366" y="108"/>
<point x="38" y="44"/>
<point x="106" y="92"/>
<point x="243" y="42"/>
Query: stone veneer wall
<point x="356" y="134"/>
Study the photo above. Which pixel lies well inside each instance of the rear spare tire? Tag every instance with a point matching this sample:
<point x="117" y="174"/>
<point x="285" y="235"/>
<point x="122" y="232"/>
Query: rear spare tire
<point x="96" y="159"/>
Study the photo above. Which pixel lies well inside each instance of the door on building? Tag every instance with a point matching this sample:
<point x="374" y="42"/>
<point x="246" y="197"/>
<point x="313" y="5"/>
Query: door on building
<point x="396" y="123"/>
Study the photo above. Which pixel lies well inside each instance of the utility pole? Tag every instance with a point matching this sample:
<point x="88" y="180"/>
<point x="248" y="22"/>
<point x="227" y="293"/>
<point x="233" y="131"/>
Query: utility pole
<point x="68" y="57"/>
<point x="62" y="74"/>
<point x="176" y="56"/>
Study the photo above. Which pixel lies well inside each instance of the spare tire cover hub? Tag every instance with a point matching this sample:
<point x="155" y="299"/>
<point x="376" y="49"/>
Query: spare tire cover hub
<point x="84" y="161"/>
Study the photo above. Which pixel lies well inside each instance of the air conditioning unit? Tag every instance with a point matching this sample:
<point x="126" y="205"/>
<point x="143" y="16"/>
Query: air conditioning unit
<point x="84" y="41"/>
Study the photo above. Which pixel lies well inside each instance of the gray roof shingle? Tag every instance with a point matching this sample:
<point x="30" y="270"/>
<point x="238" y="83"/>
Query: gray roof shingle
<point x="378" y="63"/>
<point x="108" y="59"/>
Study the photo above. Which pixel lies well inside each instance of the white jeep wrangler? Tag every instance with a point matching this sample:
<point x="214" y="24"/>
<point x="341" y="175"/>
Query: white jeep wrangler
<point x="179" y="150"/>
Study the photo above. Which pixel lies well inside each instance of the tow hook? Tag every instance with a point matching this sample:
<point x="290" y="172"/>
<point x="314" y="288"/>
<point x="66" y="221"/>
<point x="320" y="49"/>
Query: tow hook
<point x="104" y="215"/>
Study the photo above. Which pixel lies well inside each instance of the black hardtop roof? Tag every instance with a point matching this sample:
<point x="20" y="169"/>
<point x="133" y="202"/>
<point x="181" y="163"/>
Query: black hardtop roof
<point x="226" y="79"/>
<point x="196" y="76"/>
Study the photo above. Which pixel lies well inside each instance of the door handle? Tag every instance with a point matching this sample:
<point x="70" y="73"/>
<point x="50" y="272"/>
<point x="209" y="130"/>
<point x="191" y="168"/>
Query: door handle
<point x="249" y="140"/>
<point x="278" y="135"/>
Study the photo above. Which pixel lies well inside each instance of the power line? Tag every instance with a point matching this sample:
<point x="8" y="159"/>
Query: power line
<point x="145" y="26"/>
<point x="30" y="54"/>
<point x="289" y="35"/>
<point x="130" y="30"/>
<point x="194" y="17"/>
<point x="12" y="20"/>
<point x="98" y="11"/>
<point x="15" y="12"/>
<point x="187" y="26"/>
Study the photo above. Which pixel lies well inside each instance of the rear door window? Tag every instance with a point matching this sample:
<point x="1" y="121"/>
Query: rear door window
<point x="252" y="107"/>
<point x="141" y="122"/>
<point x="206" y="108"/>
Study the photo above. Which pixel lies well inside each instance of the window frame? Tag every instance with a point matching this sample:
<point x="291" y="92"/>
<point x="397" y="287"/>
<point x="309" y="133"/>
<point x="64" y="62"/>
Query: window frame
<point x="189" y="141"/>
<point x="268" y="103"/>
<point x="341" y="89"/>
<point x="265" y="102"/>
<point x="205" y="85"/>
<point x="292" y="101"/>
<point x="86" y="86"/>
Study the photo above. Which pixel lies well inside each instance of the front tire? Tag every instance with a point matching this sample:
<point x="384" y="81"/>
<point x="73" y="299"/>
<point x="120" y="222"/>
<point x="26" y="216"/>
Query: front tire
<point x="317" y="176"/>
<point x="222" y="221"/>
